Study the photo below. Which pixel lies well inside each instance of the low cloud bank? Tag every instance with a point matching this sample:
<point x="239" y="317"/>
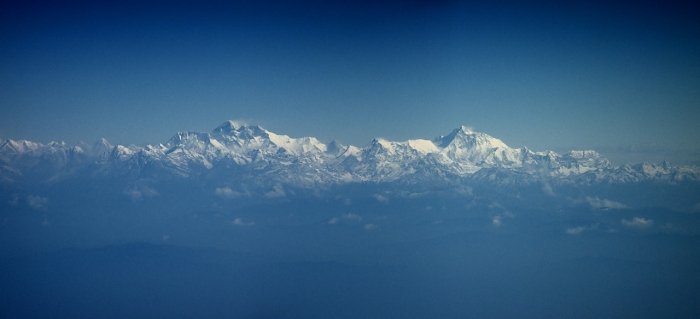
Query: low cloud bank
<point x="596" y="202"/>
<point x="227" y="193"/>
<point x="638" y="222"/>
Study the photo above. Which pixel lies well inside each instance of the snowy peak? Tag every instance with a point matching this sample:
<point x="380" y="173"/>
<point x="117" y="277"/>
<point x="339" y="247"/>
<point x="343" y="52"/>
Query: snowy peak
<point x="240" y="131"/>
<point x="246" y="142"/>
<point x="101" y="148"/>
<point x="587" y="154"/>
<point x="298" y="145"/>
<point x="465" y="146"/>
<point x="335" y="148"/>
<point x="20" y="146"/>
<point x="102" y="143"/>
<point x="423" y="146"/>
<point x="189" y="139"/>
<point x="464" y="137"/>
<point x="228" y="128"/>
<point x="243" y="137"/>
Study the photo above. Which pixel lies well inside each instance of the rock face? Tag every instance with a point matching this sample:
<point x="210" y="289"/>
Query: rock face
<point x="234" y="154"/>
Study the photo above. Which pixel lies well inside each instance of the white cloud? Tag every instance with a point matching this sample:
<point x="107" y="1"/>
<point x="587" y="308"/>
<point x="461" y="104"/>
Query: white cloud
<point x="575" y="230"/>
<point x="277" y="191"/>
<point x="136" y="193"/>
<point x="500" y="217"/>
<point x="239" y="122"/>
<point x="37" y="202"/>
<point x="239" y="222"/>
<point x="638" y="222"/>
<point x="227" y="193"/>
<point x="352" y="216"/>
<point x="578" y="230"/>
<point x="370" y="226"/>
<point x="495" y="205"/>
<point x="380" y="198"/>
<point x="497" y="221"/>
<point x="547" y="189"/>
<point x="333" y="220"/>
<point x="596" y="202"/>
<point x="465" y="191"/>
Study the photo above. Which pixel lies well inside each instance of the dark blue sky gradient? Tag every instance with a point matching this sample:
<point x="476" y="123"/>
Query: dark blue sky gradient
<point x="544" y="76"/>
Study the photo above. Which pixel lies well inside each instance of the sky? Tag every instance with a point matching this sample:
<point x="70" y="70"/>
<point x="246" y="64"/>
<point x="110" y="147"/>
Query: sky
<point x="610" y="76"/>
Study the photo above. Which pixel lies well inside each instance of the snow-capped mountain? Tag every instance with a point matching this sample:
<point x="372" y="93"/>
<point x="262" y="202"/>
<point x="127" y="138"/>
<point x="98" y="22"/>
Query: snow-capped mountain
<point x="246" y="156"/>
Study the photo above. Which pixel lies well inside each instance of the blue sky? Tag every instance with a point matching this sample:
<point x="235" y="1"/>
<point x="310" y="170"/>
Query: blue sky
<point x="546" y="76"/>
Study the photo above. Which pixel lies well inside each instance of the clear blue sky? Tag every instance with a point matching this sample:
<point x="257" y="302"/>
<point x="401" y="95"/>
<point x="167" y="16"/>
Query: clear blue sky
<point x="545" y="76"/>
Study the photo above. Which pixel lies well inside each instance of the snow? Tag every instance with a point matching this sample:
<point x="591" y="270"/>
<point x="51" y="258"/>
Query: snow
<point x="423" y="146"/>
<point x="216" y="143"/>
<point x="388" y="146"/>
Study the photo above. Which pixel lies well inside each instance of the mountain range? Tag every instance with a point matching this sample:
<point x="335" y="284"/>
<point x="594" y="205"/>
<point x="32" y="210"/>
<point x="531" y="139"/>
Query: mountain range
<point x="239" y="154"/>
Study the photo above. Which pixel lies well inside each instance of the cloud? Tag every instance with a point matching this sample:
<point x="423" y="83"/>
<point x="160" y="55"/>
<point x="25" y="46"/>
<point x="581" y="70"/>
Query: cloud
<point x="136" y="193"/>
<point x="380" y="198"/>
<point x="352" y="216"/>
<point x="370" y="226"/>
<point x="500" y="212"/>
<point x="547" y="189"/>
<point x="227" y="193"/>
<point x="277" y="191"/>
<point x="239" y="222"/>
<point x="638" y="222"/>
<point x="468" y="191"/>
<point x="596" y="202"/>
<point x="239" y="122"/>
<point x="495" y="205"/>
<point x="15" y="201"/>
<point x="37" y="202"/>
<point x="497" y="221"/>
<point x="575" y="230"/>
<point x="580" y="229"/>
